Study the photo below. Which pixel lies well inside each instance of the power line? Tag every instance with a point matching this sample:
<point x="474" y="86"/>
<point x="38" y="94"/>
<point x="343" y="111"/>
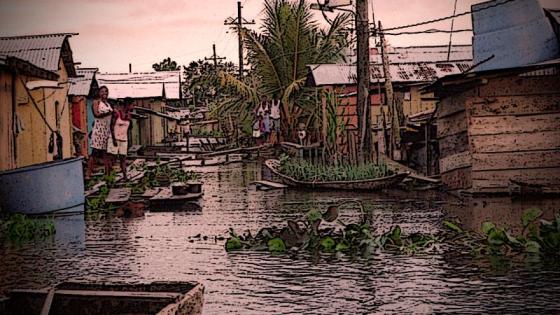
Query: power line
<point x="239" y="22"/>
<point x="448" y="17"/>
<point x="430" y="31"/>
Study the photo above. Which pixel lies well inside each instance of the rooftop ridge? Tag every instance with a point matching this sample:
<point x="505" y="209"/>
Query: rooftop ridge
<point x="38" y="35"/>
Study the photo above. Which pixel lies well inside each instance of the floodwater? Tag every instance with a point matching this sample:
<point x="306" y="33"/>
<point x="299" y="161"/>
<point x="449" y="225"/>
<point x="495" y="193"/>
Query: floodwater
<point x="166" y="246"/>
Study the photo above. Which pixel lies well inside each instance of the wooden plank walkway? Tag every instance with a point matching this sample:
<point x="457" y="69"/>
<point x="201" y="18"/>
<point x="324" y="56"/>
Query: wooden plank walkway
<point x="117" y="195"/>
<point x="269" y="184"/>
<point x="165" y="194"/>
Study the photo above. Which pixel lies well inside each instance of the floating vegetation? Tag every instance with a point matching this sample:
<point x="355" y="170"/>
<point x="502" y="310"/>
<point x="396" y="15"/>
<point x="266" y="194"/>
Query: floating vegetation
<point x="348" y="238"/>
<point x="21" y="228"/>
<point x="538" y="237"/>
<point x="303" y="170"/>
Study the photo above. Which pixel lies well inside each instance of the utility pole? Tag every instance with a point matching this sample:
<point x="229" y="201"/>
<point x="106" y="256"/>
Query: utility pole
<point x="239" y="22"/>
<point x="363" y="102"/>
<point x="215" y="57"/>
<point x="396" y="115"/>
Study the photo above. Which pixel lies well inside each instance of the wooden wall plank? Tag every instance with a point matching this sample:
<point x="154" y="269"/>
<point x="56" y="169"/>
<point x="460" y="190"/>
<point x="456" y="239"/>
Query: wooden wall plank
<point x="451" y="125"/>
<point x="452" y="144"/>
<point x="546" y="140"/>
<point x="513" y="124"/>
<point x="455" y="161"/>
<point x="517" y="85"/>
<point x="515" y="160"/>
<point x="457" y="179"/>
<point x="513" y="105"/>
<point x="456" y="103"/>
<point x="486" y="180"/>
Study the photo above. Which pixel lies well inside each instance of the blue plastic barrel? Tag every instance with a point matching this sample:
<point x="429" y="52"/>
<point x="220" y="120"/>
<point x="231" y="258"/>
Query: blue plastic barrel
<point x="52" y="187"/>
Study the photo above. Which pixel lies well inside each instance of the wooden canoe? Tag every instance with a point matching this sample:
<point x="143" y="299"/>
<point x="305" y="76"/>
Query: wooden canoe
<point x="367" y="184"/>
<point x="162" y="298"/>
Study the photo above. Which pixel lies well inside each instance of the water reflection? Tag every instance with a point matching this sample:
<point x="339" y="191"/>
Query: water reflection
<point x="183" y="246"/>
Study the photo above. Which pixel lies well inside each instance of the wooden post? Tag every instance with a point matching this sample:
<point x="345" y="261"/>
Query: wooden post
<point x="427" y="140"/>
<point x="363" y="100"/>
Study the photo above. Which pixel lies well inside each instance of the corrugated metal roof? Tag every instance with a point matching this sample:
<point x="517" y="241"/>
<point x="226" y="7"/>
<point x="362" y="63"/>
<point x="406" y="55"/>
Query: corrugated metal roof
<point x="81" y="84"/>
<point x="420" y="54"/>
<point x="141" y="85"/>
<point x="516" y="33"/>
<point x="43" y="51"/>
<point x="345" y="74"/>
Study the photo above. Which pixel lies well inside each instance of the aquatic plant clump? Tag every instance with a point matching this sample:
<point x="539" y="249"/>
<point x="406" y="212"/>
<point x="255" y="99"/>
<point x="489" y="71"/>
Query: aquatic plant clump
<point x="350" y="238"/>
<point x="303" y="170"/>
<point x="19" y="227"/>
<point x="539" y="237"/>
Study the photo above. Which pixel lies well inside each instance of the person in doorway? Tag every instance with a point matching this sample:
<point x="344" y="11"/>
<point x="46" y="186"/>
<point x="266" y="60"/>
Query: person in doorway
<point x="275" y="120"/>
<point x="102" y="112"/>
<point x="120" y="124"/>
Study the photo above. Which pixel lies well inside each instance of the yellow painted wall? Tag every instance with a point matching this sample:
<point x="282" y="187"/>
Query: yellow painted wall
<point x="32" y="143"/>
<point x="7" y="153"/>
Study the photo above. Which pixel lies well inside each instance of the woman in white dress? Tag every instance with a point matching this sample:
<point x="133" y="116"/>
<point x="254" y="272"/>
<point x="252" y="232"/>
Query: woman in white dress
<point x="102" y="112"/>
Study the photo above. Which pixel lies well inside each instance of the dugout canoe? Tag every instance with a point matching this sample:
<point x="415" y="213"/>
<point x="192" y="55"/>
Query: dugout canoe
<point x="161" y="298"/>
<point x="367" y="184"/>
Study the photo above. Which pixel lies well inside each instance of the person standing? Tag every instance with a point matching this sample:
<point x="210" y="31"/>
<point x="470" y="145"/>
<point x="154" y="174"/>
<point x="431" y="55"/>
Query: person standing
<point x="102" y="112"/>
<point x="120" y="124"/>
<point x="275" y="119"/>
<point x="263" y="106"/>
<point x="257" y="129"/>
<point x="266" y="126"/>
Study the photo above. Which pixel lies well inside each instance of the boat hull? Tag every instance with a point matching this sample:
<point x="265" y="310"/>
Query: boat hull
<point x="52" y="187"/>
<point x="373" y="184"/>
<point x="161" y="298"/>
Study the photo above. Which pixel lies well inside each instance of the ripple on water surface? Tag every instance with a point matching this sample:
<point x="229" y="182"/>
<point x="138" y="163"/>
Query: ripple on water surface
<point x="166" y="246"/>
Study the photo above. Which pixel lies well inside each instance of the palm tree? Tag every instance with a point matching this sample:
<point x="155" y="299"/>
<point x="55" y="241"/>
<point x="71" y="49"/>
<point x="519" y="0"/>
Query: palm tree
<point x="289" y="41"/>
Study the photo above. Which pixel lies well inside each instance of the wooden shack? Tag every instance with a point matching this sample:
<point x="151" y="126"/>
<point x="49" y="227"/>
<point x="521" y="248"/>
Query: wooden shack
<point x="40" y="107"/>
<point x="411" y="69"/>
<point x="500" y="128"/>
<point x="12" y="70"/>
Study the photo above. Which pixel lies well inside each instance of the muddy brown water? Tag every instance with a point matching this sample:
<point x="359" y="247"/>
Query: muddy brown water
<point x="165" y="246"/>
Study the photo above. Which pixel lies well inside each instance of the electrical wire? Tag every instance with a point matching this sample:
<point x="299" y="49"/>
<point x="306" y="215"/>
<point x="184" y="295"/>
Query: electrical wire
<point x="448" y="17"/>
<point x="430" y="31"/>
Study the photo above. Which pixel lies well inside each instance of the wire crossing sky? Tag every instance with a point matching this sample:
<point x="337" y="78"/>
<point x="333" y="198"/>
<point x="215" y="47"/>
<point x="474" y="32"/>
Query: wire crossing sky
<point x="114" y="33"/>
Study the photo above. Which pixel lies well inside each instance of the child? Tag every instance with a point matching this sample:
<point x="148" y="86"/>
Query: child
<point x="266" y="126"/>
<point x="120" y="123"/>
<point x="257" y="129"/>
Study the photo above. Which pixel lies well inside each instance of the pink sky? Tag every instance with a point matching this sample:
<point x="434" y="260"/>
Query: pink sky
<point x="116" y="32"/>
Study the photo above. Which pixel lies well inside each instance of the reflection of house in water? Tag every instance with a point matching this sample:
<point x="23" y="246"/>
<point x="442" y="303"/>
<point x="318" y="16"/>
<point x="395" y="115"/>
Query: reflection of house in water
<point x="34" y="106"/>
<point x="81" y="94"/>
<point x="503" y="211"/>
<point x="150" y="90"/>
<point x="411" y="69"/>
<point x="499" y="125"/>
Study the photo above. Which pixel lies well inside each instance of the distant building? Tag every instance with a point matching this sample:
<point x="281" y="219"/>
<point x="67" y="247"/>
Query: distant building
<point x="35" y="81"/>
<point x="150" y="90"/>
<point x="81" y="94"/>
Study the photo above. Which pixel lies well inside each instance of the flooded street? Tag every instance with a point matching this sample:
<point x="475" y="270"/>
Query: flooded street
<point x="184" y="246"/>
